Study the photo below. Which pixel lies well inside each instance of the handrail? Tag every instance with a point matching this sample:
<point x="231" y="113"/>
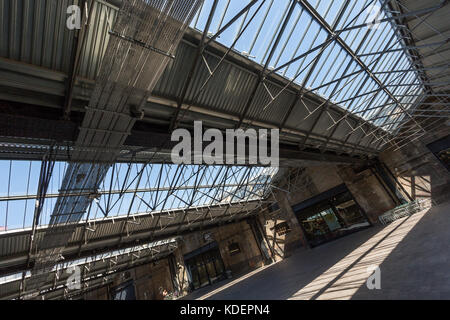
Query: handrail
<point x="404" y="210"/>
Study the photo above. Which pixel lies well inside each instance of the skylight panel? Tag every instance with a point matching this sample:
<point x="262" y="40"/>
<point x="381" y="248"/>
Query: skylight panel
<point x="160" y="188"/>
<point x="336" y="75"/>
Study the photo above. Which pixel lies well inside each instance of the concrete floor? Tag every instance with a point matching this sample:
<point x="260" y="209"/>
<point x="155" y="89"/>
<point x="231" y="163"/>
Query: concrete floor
<point x="413" y="255"/>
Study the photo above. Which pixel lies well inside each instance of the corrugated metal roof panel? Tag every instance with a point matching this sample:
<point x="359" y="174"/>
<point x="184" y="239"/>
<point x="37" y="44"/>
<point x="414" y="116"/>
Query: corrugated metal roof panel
<point x="274" y="112"/>
<point x="15" y="244"/>
<point x="96" y="40"/>
<point x="35" y="32"/>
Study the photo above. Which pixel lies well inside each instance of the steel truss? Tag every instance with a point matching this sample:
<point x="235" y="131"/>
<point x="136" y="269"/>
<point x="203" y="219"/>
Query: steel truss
<point x="398" y="102"/>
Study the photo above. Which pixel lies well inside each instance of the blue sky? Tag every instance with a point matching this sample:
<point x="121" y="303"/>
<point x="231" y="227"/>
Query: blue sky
<point x="19" y="213"/>
<point x="302" y="33"/>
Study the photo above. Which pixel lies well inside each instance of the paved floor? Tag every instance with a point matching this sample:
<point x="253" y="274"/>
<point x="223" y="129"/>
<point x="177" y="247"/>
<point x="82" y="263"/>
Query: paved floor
<point x="413" y="255"/>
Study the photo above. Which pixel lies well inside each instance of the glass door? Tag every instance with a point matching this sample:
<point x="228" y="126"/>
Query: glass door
<point x="331" y="218"/>
<point x="203" y="274"/>
<point x="205" y="268"/>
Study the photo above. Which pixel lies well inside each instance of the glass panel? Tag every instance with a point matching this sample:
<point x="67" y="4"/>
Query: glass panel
<point x="22" y="179"/>
<point x="204" y="279"/>
<point x="195" y="277"/>
<point x="330" y="219"/>
<point x="444" y="156"/>
<point x="125" y="292"/>
<point x="211" y="271"/>
<point x="379" y="48"/>
<point x="219" y="266"/>
<point x="205" y="268"/>
<point x="350" y="213"/>
<point x="315" y="228"/>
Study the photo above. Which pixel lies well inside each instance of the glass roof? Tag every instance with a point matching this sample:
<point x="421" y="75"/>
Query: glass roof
<point x="131" y="189"/>
<point x="365" y="72"/>
<point x="327" y="70"/>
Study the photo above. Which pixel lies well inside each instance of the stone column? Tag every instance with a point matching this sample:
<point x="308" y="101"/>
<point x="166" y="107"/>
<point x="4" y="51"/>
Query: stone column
<point x="283" y="202"/>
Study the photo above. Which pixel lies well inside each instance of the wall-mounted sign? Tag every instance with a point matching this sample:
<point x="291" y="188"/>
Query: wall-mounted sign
<point x="208" y="236"/>
<point x="234" y="248"/>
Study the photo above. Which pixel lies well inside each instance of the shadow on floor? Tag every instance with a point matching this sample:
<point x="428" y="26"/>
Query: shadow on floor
<point x="418" y="267"/>
<point x="413" y="254"/>
<point x="281" y="280"/>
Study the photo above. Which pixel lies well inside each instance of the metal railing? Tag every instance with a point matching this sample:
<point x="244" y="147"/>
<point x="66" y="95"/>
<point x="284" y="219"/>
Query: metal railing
<point x="404" y="210"/>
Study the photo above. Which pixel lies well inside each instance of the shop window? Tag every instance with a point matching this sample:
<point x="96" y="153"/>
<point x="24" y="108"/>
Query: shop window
<point x="282" y="228"/>
<point x="327" y="216"/>
<point x="234" y="248"/>
<point x="124" y="292"/>
<point x="441" y="149"/>
<point x="444" y="157"/>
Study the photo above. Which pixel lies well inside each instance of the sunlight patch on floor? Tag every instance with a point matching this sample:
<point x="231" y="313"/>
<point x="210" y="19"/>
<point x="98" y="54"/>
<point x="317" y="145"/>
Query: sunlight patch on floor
<point x="342" y="280"/>
<point x="232" y="283"/>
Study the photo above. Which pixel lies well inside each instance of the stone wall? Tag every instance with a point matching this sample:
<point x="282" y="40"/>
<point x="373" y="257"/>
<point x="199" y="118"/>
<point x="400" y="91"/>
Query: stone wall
<point x="282" y="245"/>
<point x="313" y="181"/>
<point x="147" y="279"/>
<point x="150" y="278"/>
<point x="98" y="294"/>
<point x="366" y="187"/>
<point x="368" y="192"/>
<point x="249" y="256"/>
<point x="419" y="171"/>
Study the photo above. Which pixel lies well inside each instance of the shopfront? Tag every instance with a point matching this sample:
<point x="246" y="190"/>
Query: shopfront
<point x="330" y="215"/>
<point x="441" y="149"/>
<point x="204" y="266"/>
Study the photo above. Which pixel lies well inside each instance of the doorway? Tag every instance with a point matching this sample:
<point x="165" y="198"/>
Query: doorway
<point x="205" y="266"/>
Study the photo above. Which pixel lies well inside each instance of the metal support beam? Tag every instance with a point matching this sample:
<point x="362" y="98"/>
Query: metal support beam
<point x="416" y="13"/>
<point x="262" y="75"/>
<point x="78" y="44"/>
<point x="197" y="58"/>
<point x="344" y="45"/>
